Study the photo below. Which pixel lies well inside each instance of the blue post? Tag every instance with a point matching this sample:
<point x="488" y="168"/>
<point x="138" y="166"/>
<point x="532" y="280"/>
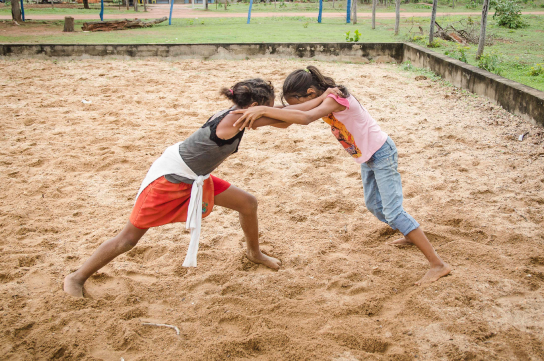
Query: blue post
<point x="249" y="12"/>
<point x="348" y="15"/>
<point x="171" y="8"/>
<point x="101" y="10"/>
<point x="22" y="11"/>
<point x="320" y="11"/>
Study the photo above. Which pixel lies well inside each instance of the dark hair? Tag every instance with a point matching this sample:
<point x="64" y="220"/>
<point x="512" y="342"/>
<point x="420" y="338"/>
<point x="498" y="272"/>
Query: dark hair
<point x="298" y="82"/>
<point x="249" y="91"/>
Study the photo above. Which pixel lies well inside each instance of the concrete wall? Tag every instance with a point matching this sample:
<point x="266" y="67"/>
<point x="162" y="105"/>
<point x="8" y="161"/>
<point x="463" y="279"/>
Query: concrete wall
<point x="384" y="52"/>
<point x="514" y="97"/>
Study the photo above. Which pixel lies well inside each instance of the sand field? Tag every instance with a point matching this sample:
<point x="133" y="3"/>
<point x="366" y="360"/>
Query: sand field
<point x="69" y="173"/>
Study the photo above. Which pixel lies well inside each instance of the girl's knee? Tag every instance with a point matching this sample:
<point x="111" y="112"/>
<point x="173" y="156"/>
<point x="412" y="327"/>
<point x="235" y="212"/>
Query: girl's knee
<point x="127" y="242"/>
<point x="250" y="205"/>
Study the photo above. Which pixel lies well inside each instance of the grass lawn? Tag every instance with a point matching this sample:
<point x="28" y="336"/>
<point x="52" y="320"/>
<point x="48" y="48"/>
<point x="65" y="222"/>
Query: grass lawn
<point x="517" y="50"/>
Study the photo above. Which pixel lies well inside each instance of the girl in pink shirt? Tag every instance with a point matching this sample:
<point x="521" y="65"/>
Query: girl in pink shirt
<point x="363" y="139"/>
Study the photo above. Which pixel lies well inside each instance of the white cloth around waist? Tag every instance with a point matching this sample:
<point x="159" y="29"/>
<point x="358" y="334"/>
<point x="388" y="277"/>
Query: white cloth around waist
<point x="170" y="162"/>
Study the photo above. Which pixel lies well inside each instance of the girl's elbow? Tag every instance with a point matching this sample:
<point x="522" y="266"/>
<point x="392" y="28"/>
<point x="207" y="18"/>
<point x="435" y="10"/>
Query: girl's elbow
<point x="307" y="120"/>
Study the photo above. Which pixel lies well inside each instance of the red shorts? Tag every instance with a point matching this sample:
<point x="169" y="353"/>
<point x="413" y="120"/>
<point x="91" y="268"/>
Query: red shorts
<point x="163" y="202"/>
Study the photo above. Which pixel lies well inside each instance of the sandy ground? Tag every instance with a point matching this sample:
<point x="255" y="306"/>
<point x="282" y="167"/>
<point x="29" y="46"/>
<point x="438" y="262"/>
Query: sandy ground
<point x="70" y="171"/>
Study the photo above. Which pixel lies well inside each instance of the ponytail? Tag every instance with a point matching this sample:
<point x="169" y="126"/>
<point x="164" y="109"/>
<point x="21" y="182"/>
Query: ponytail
<point x="247" y="92"/>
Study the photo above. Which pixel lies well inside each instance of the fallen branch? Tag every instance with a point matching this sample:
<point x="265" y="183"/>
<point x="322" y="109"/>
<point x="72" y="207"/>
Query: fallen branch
<point x="120" y="24"/>
<point x="161" y="325"/>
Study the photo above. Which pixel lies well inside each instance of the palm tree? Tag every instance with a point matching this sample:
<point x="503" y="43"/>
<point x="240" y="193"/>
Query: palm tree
<point x="374" y="13"/>
<point x="433" y="19"/>
<point x="397" y="17"/>
<point x="481" y="42"/>
<point x="16" y="14"/>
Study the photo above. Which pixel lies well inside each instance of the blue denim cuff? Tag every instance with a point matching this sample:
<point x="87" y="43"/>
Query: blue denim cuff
<point x="405" y="223"/>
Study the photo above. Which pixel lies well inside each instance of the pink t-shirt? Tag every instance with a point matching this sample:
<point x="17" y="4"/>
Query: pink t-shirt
<point x="355" y="129"/>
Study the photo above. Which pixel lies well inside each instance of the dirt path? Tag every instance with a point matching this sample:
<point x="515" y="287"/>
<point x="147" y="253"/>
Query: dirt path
<point x="69" y="173"/>
<point x="156" y="12"/>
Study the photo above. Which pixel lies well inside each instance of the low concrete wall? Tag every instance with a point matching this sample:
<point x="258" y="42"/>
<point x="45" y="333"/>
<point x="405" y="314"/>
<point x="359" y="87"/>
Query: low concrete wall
<point x="514" y="97"/>
<point x="353" y="52"/>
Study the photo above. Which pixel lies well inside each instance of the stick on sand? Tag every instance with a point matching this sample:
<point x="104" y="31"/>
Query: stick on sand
<point x="161" y="325"/>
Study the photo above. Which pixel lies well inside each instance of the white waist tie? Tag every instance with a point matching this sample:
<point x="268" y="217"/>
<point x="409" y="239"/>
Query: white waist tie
<point x="170" y="162"/>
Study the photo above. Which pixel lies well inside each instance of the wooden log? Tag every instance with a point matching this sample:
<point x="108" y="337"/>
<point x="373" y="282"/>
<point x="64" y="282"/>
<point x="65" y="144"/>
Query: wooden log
<point x="68" y="24"/>
<point x="120" y="24"/>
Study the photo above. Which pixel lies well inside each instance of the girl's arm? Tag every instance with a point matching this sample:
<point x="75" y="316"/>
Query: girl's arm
<point x="226" y="130"/>
<point x="287" y="115"/>
<point x="264" y="121"/>
<point x="310" y="104"/>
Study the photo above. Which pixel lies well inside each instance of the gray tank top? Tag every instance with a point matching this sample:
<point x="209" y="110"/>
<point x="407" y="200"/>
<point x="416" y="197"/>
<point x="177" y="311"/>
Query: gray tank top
<point x="203" y="151"/>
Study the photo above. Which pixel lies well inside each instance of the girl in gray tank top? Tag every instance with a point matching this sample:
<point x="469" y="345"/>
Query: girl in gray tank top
<point x="202" y="152"/>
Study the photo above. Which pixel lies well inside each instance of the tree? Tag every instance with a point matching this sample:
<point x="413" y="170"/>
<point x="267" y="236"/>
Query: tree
<point x="481" y="42"/>
<point x="397" y="16"/>
<point x="145" y="6"/>
<point x="354" y="11"/>
<point x="136" y="5"/>
<point x="433" y="19"/>
<point x="16" y="14"/>
<point x="205" y="2"/>
<point x="86" y="4"/>
<point x="128" y="3"/>
<point x="374" y="13"/>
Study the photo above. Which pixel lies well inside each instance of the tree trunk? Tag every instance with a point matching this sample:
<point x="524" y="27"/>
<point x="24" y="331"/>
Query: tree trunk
<point x="481" y="42"/>
<point x="206" y="4"/>
<point x="433" y="19"/>
<point x="85" y="4"/>
<point x="333" y="4"/>
<point x="354" y="13"/>
<point x="374" y="13"/>
<point x="128" y="4"/>
<point x="453" y="4"/>
<point x="68" y="24"/>
<point x="145" y="5"/>
<point x="397" y="16"/>
<point x="120" y="24"/>
<point x="16" y="11"/>
<point x="136" y="5"/>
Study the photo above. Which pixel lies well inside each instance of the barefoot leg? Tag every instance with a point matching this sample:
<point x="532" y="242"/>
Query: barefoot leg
<point x="123" y="242"/>
<point x="401" y="242"/>
<point x="246" y="205"/>
<point x="438" y="268"/>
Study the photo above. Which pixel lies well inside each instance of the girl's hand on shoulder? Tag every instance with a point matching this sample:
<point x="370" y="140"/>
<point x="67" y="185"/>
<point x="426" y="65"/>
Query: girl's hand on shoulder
<point x="334" y="91"/>
<point x="249" y="116"/>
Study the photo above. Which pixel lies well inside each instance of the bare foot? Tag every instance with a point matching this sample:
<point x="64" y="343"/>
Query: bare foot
<point x="434" y="274"/>
<point x="401" y="242"/>
<point x="72" y="287"/>
<point x="262" y="258"/>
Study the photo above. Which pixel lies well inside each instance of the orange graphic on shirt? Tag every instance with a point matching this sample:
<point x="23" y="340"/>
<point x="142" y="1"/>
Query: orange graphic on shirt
<point x="344" y="137"/>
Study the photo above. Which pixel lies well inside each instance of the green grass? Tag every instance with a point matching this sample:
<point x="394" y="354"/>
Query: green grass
<point x="518" y="50"/>
<point x="209" y="30"/>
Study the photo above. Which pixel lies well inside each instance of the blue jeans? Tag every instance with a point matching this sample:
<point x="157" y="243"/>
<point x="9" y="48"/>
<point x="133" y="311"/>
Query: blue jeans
<point x="383" y="189"/>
